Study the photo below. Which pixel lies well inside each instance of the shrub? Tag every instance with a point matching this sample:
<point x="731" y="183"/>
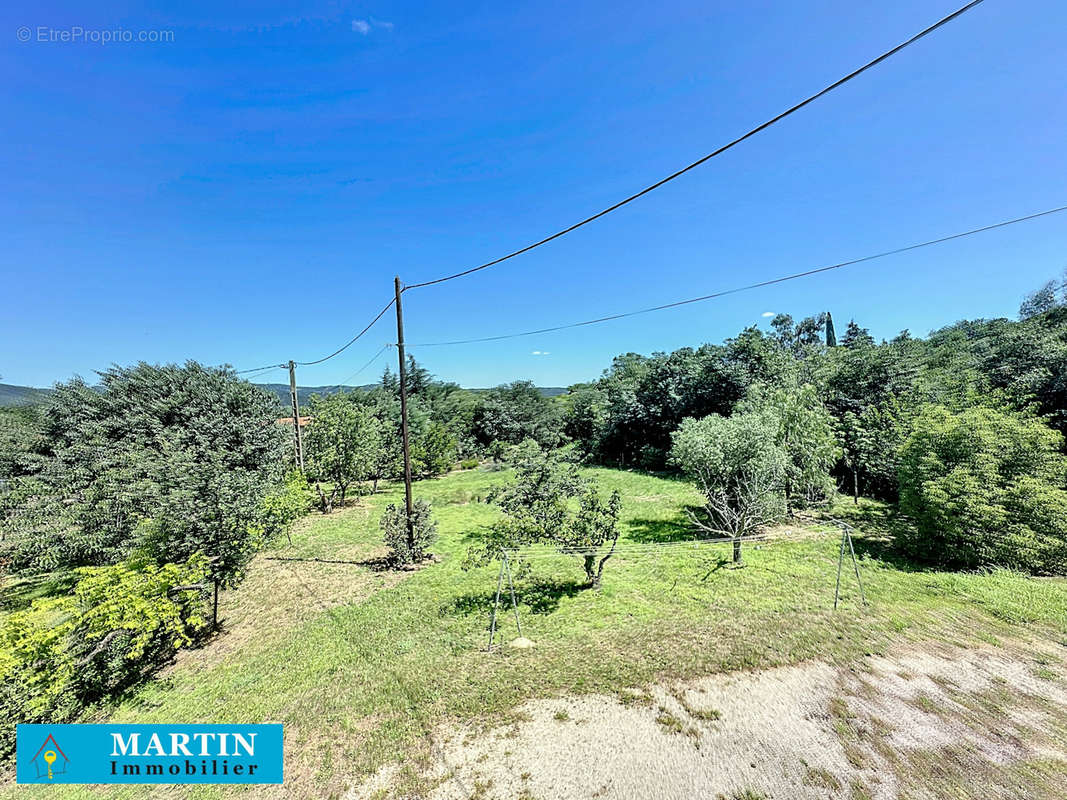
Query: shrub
<point x="287" y="503"/>
<point x="985" y="488"/>
<point x="469" y="463"/>
<point x="63" y="653"/>
<point x="395" y="532"/>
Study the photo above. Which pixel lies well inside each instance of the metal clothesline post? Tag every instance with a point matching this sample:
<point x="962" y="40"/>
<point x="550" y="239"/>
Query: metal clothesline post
<point x="846" y="536"/>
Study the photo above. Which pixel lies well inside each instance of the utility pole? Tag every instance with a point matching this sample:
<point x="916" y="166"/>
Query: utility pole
<point x="404" y="414"/>
<point x="296" y="416"/>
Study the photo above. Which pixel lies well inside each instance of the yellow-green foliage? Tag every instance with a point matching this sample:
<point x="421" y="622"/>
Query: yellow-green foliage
<point x="63" y="653"/>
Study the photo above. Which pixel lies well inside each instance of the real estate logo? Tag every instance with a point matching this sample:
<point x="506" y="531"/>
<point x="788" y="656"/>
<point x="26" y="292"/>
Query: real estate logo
<point x="50" y="760"/>
<point x="148" y="754"/>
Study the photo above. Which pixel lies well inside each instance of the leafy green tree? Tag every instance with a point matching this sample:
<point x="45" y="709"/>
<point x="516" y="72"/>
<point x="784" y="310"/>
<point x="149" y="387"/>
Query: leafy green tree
<point x="594" y="527"/>
<point x="739" y="468"/>
<point x="433" y="450"/>
<point x="985" y="488"/>
<point x="804" y="432"/>
<point x="538" y="509"/>
<point x="342" y="445"/>
<point x="517" y="411"/>
<point x="121" y="622"/>
<point x="168" y="452"/>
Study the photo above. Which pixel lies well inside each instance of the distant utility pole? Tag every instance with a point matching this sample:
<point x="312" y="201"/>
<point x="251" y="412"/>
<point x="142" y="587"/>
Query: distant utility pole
<point x="404" y="414"/>
<point x="296" y="416"/>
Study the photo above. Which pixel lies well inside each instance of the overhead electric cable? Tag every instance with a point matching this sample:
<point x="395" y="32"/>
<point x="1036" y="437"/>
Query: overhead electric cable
<point x="793" y="109"/>
<point x="750" y="286"/>
<point x="359" y="371"/>
<point x="351" y="341"/>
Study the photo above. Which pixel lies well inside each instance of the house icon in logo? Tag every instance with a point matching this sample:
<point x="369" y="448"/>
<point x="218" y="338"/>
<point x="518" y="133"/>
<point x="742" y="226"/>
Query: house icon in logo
<point x="49" y="759"/>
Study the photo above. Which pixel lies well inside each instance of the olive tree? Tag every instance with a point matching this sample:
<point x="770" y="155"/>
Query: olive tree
<point x="549" y="502"/>
<point x="738" y="467"/>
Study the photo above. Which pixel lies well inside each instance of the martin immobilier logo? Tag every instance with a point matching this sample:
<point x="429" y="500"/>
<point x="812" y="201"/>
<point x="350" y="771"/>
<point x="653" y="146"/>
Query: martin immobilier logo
<point x="141" y="753"/>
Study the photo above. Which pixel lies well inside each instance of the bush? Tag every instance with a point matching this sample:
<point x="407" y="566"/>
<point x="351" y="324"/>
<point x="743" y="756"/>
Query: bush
<point x="395" y="532"/>
<point x="62" y="654"/>
<point x="985" y="488"/>
<point x="287" y="503"/>
<point x="469" y="463"/>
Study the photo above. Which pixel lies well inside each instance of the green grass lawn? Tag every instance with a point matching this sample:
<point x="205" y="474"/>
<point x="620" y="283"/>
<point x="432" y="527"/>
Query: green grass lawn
<point x="360" y="664"/>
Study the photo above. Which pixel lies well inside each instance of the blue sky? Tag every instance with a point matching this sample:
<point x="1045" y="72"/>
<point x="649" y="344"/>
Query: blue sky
<point x="246" y="192"/>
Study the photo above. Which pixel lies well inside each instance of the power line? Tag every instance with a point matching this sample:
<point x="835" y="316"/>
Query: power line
<point x="350" y="342"/>
<point x="793" y="109"/>
<point x="750" y="286"/>
<point x="336" y="352"/>
<point x="359" y="371"/>
<point x="260" y="369"/>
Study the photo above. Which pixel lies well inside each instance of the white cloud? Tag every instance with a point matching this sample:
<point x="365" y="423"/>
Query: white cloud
<point x="364" y="26"/>
<point x="539" y="353"/>
<point x="767" y="314"/>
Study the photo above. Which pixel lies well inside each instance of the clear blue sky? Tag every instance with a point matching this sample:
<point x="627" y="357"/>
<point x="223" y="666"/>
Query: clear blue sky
<point x="245" y="193"/>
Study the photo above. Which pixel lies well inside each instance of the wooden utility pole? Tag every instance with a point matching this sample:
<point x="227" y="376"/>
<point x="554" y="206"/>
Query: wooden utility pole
<point x="404" y="415"/>
<point x="296" y="416"/>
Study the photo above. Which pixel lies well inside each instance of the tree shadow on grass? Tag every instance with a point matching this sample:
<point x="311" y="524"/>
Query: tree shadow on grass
<point x="675" y="529"/>
<point x="540" y="597"/>
<point x="879" y="531"/>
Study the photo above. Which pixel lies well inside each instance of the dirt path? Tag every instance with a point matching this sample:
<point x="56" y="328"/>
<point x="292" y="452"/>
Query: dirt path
<point x="926" y="722"/>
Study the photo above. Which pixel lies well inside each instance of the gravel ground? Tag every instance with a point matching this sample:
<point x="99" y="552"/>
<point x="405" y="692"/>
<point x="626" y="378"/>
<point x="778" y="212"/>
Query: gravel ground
<point x="966" y="717"/>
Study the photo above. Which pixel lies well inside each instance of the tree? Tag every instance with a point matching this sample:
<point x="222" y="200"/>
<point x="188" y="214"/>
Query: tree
<point x="387" y="460"/>
<point x="594" y="526"/>
<point x="804" y="431"/>
<point x="342" y="443"/>
<point x="163" y="453"/>
<point x="517" y="411"/>
<point x="856" y="443"/>
<point x="985" y="487"/>
<point x="537" y="508"/>
<point x="1042" y="300"/>
<point x="855" y="336"/>
<point x="433" y="450"/>
<point x="739" y="467"/>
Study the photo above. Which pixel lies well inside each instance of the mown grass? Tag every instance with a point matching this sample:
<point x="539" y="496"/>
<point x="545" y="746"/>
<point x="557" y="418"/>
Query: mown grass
<point x="360" y="680"/>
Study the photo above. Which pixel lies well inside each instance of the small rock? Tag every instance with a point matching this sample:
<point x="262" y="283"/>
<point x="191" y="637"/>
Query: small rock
<point x="522" y="643"/>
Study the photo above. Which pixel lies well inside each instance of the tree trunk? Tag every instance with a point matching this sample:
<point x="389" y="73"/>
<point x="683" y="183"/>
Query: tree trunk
<point x="737" y="550"/>
<point x="344" y="491"/>
<point x="589" y="562"/>
<point x="374" y="487"/>
<point x="855" y="487"/>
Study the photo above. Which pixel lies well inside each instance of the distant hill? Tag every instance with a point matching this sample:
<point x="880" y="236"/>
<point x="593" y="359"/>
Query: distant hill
<point x="22" y="395"/>
<point x="303" y="393"/>
<point x="29" y="396"/>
